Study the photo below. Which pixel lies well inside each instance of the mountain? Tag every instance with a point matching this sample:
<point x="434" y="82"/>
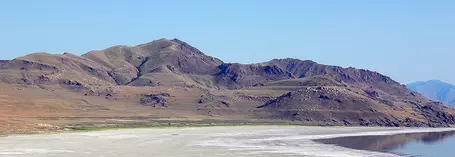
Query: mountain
<point x="435" y="90"/>
<point x="169" y="81"/>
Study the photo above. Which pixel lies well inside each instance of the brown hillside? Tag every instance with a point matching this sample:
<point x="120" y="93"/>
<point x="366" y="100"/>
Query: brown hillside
<point x="169" y="80"/>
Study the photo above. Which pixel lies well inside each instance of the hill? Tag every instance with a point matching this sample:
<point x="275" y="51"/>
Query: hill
<point x="169" y="81"/>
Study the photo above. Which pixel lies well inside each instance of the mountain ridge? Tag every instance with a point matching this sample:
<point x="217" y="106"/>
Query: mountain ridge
<point x="436" y="90"/>
<point x="170" y="78"/>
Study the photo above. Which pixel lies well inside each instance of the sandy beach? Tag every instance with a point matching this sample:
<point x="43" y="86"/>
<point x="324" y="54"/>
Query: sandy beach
<point x="251" y="141"/>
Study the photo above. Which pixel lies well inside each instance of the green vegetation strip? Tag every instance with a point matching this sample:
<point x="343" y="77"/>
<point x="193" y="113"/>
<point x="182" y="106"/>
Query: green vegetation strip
<point x="84" y="128"/>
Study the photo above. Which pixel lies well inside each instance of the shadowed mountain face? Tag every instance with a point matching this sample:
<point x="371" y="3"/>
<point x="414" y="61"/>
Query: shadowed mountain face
<point x="179" y="81"/>
<point x="435" y="90"/>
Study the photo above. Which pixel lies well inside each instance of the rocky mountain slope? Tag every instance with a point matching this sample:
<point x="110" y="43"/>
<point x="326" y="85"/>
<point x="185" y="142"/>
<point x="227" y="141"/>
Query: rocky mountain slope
<point x="171" y="80"/>
<point x="435" y="90"/>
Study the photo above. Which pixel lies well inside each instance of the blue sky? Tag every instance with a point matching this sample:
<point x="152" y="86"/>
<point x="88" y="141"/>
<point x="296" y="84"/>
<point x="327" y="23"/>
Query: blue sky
<point x="408" y="40"/>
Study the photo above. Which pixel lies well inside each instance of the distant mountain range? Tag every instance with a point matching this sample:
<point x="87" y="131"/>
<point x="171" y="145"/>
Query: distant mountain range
<point x="435" y="90"/>
<point x="171" y="80"/>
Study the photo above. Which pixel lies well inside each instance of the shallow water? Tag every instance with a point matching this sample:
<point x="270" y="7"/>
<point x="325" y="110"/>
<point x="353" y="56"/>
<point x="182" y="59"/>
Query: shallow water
<point x="431" y="144"/>
<point x="255" y="141"/>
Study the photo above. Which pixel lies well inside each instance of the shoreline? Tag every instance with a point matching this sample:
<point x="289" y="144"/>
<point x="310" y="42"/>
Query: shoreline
<point x="388" y="142"/>
<point x="207" y="139"/>
<point x="387" y="133"/>
<point x="98" y="126"/>
<point x="112" y="127"/>
<point x="108" y="126"/>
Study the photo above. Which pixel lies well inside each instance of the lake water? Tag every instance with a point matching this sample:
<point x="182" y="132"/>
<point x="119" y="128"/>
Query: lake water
<point x="245" y="141"/>
<point x="432" y="144"/>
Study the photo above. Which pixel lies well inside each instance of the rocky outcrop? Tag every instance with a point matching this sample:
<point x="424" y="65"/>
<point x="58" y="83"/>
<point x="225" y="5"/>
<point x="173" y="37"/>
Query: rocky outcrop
<point x="234" y="75"/>
<point x="155" y="100"/>
<point x="341" y="106"/>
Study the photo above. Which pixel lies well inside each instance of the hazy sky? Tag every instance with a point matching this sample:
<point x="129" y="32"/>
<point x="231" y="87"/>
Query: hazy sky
<point x="408" y="40"/>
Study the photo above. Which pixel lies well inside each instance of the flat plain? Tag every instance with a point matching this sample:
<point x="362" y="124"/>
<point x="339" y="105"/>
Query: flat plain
<point x="239" y="141"/>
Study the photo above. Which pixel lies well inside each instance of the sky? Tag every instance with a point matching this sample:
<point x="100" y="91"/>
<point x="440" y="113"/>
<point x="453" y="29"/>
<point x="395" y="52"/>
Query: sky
<point x="408" y="40"/>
